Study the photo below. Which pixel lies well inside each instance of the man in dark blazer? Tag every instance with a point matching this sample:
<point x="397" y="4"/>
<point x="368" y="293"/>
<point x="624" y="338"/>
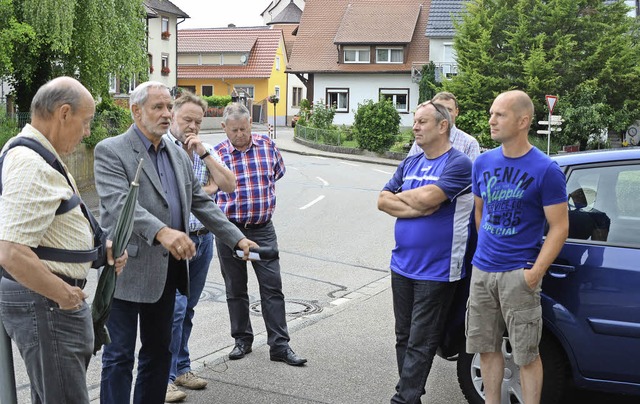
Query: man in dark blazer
<point x="159" y="248"/>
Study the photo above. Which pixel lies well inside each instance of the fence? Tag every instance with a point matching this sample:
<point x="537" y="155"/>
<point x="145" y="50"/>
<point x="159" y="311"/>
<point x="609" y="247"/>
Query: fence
<point x="324" y="136"/>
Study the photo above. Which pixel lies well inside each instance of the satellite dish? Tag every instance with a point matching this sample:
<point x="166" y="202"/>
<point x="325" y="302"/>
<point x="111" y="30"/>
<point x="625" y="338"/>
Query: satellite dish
<point x="243" y="58"/>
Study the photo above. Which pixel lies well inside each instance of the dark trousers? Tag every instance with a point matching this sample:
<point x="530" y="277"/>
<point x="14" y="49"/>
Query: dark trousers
<point x="234" y="272"/>
<point x="154" y="357"/>
<point x="420" y="309"/>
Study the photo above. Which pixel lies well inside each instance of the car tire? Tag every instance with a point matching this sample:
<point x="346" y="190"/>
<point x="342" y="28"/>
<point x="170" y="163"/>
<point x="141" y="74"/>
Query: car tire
<point x="555" y="379"/>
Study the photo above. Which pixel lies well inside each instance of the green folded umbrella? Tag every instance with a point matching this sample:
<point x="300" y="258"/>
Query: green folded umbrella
<point x="101" y="305"/>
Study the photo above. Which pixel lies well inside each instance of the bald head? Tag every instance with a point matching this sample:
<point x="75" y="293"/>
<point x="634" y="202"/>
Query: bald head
<point x="56" y="93"/>
<point x="520" y="103"/>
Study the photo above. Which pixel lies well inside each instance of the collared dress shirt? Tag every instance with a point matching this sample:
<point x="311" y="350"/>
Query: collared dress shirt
<point x="32" y="192"/>
<point x="256" y="169"/>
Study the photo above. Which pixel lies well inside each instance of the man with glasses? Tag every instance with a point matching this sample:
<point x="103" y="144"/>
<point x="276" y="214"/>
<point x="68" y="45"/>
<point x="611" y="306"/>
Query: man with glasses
<point x="459" y="139"/>
<point x="430" y="194"/>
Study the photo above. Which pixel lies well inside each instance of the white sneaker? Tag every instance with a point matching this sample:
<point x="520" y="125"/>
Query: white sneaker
<point x="190" y="381"/>
<point x="173" y="394"/>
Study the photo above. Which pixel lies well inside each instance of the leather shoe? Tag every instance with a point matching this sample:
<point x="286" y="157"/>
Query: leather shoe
<point x="289" y="357"/>
<point x="239" y="351"/>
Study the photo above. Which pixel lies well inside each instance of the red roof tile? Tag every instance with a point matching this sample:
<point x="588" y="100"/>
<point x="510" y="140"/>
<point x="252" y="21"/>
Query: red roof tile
<point x="366" y="24"/>
<point x="261" y="43"/>
<point x="326" y="22"/>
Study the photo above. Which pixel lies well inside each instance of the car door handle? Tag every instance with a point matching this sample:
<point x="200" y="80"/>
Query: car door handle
<point x="560" y="271"/>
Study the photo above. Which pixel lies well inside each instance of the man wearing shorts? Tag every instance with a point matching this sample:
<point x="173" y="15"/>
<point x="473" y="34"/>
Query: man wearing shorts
<point x="516" y="188"/>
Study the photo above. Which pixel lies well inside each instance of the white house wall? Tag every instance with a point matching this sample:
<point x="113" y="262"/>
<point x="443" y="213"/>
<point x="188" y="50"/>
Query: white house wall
<point x="294" y="81"/>
<point x="158" y="46"/>
<point x="362" y="87"/>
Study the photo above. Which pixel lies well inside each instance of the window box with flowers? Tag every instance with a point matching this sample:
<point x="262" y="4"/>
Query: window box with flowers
<point x="274" y="99"/>
<point x="165" y="35"/>
<point x="150" y="69"/>
<point x="165" y="71"/>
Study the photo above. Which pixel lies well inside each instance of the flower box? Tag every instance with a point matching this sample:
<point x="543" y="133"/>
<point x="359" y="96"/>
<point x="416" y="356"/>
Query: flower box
<point x="166" y="35"/>
<point x="165" y="71"/>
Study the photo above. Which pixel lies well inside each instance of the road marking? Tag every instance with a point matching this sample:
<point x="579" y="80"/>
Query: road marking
<point x="293" y="168"/>
<point x="325" y="183"/>
<point x="382" y="171"/>
<point x="350" y="164"/>
<point x="313" y="202"/>
<point x="321" y="158"/>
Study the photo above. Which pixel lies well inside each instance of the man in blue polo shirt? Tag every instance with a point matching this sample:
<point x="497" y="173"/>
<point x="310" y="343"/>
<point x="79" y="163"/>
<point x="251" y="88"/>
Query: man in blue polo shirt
<point x="517" y="188"/>
<point x="430" y="194"/>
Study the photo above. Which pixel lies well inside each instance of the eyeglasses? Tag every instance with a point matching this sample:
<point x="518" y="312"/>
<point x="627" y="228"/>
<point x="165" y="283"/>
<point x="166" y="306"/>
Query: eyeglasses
<point x="439" y="108"/>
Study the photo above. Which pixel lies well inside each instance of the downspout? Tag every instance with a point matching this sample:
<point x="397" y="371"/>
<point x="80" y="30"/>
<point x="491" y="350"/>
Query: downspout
<point x="175" y="88"/>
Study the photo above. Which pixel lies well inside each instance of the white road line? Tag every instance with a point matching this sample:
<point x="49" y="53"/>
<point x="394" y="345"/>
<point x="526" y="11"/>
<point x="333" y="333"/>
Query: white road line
<point x="293" y="168"/>
<point x="318" y="199"/>
<point x="321" y="158"/>
<point x="382" y="171"/>
<point x="325" y="183"/>
<point x="350" y="164"/>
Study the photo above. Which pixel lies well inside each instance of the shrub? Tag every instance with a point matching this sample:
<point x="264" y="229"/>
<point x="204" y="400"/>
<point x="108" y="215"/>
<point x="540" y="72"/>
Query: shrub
<point x="219" y="101"/>
<point x="376" y="125"/>
<point x="8" y="128"/>
<point x="110" y="120"/>
<point x="322" y="116"/>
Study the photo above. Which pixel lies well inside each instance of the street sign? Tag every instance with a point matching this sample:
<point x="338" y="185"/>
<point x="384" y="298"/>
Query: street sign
<point x="554" y="123"/>
<point x="551" y="102"/>
<point x="543" y="132"/>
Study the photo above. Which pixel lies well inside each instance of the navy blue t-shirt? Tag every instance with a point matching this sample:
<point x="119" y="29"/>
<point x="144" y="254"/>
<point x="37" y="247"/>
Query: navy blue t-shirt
<point x="432" y="247"/>
<point x="514" y="193"/>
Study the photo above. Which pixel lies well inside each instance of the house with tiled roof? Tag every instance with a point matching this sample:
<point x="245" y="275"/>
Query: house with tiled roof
<point x="276" y="10"/>
<point x="249" y="60"/>
<point x="162" y="19"/>
<point x="440" y="31"/>
<point x="350" y="51"/>
<point x="288" y="20"/>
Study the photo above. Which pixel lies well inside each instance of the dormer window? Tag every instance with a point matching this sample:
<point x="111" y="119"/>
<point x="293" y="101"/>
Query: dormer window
<point x="389" y="55"/>
<point x="357" y="55"/>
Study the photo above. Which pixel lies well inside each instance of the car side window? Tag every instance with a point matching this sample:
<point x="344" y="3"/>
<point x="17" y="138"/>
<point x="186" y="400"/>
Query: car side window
<point x="603" y="204"/>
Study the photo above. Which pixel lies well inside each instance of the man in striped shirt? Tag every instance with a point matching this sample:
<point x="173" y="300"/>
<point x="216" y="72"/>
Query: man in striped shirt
<point x="257" y="164"/>
<point x="460" y="140"/>
<point x="187" y="113"/>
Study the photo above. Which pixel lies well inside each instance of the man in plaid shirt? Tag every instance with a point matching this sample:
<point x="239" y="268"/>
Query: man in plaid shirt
<point x="257" y="164"/>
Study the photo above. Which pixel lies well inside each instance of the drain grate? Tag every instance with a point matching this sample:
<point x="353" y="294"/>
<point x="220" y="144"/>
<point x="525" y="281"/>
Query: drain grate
<point x="294" y="307"/>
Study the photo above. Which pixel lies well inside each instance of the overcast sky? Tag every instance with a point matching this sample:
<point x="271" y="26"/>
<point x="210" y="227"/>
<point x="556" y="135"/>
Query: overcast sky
<point x="220" y="13"/>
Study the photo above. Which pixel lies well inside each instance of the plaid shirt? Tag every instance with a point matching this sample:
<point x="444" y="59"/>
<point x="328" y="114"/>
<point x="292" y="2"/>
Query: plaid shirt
<point x="200" y="171"/>
<point x="257" y="169"/>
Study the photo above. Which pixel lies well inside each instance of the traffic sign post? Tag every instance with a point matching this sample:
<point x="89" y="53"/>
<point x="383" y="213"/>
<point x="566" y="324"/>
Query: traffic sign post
<point x="551" y="102"/>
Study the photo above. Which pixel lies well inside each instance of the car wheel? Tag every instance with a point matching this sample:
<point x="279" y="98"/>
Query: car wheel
<point x="555" y="367"/>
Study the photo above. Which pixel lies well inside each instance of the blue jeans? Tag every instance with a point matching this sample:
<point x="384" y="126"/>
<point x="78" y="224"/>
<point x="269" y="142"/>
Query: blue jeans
<point x="56" y="345"/>
<point x="184" y="307"/>
<point x="154" y="357"/>
<point x="420" y="309"/>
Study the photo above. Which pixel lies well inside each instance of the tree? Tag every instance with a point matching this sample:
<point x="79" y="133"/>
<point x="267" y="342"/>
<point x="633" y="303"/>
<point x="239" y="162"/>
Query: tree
<point x="548" y="47"/>
<point x="427" y="87"/>
<point x="11" y="33"/>
<point x="86" y="39"/>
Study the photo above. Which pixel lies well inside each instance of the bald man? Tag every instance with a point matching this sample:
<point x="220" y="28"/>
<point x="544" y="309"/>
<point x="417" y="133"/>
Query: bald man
<point x="516" y="189"/>
<point x="42" y="302"/>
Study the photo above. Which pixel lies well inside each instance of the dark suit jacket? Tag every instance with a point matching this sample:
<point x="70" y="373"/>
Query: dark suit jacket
<point x="115" y="163"/>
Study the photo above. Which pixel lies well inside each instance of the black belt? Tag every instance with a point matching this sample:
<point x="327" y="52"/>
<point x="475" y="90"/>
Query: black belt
<point x="200" y="232"/>
<point x="250" y="225"/>
<point x="71" y="281"/>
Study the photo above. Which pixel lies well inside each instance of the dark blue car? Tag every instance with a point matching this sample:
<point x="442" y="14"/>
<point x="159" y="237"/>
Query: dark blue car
<point x="590" y="296"/>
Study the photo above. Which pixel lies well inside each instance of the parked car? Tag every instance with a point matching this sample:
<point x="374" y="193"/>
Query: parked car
<point x="590" y="295"/>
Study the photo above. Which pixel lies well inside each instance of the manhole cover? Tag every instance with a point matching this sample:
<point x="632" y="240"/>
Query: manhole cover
<point x="294" y="307"/>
